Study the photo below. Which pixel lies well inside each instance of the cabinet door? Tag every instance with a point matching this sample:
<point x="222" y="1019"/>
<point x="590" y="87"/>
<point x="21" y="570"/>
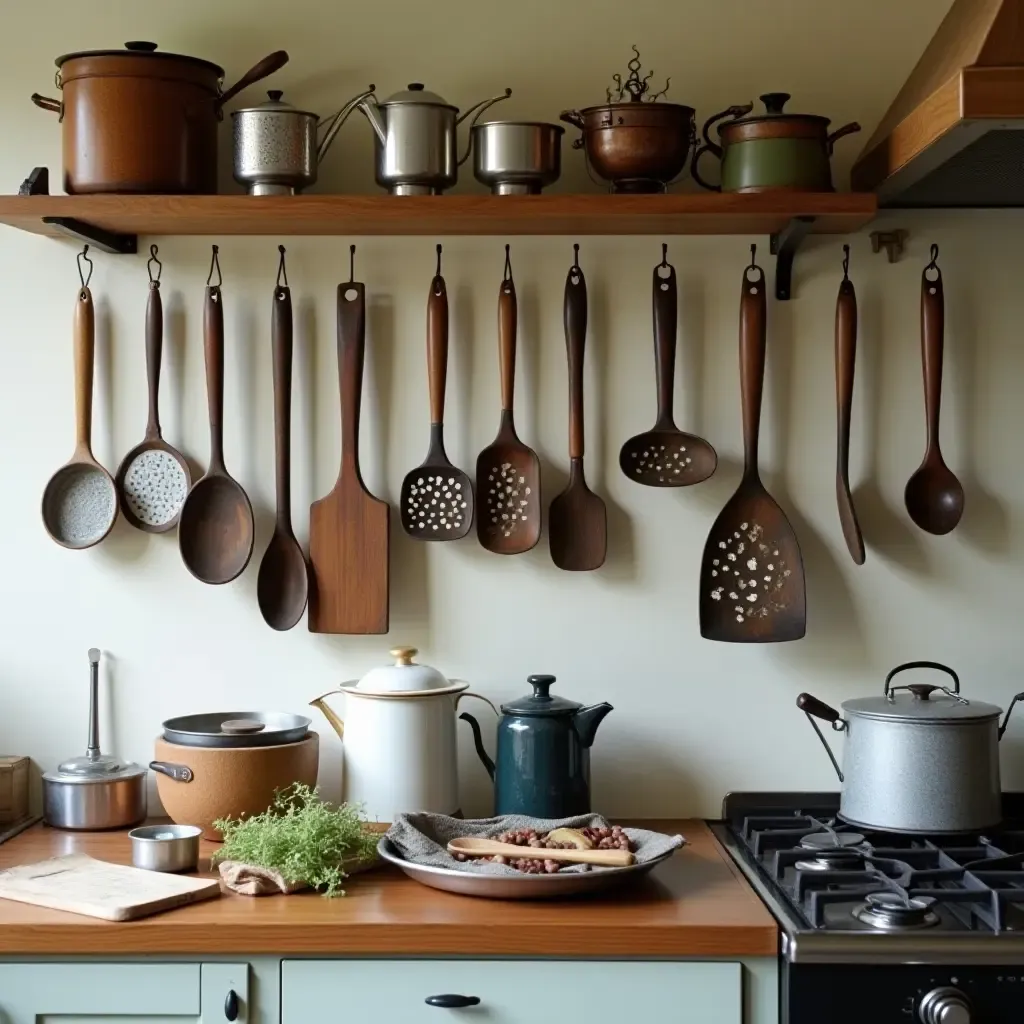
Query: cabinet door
<point x="510" y="992"/>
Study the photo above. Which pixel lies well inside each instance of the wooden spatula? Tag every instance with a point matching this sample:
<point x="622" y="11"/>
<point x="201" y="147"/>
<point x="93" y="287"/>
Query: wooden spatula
<point x="348" y="529"/>
<point x="752" y="574"/>
<point x="578" y="521"/>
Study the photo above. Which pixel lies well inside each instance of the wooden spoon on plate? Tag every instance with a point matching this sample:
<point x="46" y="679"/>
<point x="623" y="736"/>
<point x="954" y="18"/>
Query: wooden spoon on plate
<point x="469" y="846"/>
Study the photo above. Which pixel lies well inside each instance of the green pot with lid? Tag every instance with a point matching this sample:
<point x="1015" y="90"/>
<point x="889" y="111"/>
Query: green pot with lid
<point x="771" y="152"/>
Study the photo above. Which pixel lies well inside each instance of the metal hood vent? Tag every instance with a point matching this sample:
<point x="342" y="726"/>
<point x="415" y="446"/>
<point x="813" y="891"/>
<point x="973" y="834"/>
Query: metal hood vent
<point x="954" y="135"/>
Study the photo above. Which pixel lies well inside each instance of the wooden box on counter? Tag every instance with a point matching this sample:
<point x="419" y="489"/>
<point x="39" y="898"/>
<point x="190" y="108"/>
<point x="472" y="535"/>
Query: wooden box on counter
<point x="14" y="773"/>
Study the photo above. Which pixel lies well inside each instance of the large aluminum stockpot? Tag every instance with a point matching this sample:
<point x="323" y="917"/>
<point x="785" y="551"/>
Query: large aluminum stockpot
<point x="924" y="760"/>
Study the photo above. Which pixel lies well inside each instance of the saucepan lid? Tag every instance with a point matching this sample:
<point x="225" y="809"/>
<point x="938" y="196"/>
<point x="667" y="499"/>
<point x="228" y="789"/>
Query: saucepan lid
<point x="97" y="768"/>
<point x="236" y="729"/>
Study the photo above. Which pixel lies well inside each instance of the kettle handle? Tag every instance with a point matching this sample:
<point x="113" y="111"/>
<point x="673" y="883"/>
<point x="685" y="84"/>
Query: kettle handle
<point x="478" y="740"/>
<point x="709" y="146"/>
<point x="332" y="124"/>
<point x="819" y="709"/>
<point x="887" y="688"/>
<point x="479" y="108"/>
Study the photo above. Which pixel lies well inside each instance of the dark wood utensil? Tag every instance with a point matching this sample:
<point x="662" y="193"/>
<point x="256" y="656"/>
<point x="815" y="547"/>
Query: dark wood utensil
<point x="508" y="472"/>
<point x="283" y="582"/>
<point x="153" y="479"/>
<point x="666" y="456"/>
<point x="577" y="520"/>
<point x="215" y="533"/>
<point x="348" y="529"/>
<point x="846" y="356"/>
<point x="751" y="573"/>
<point x="933" y="496"/>
<point x="437" y="498"/>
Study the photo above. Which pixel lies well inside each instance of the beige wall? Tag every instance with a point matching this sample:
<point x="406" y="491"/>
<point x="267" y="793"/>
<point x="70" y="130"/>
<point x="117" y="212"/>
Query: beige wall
<point x="693" y="719"/>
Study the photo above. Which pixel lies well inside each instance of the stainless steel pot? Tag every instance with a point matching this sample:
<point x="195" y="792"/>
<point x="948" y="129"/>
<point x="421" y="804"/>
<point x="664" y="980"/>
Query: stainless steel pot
<point x="276" y="149"/>
<point x="417" y="143"/>
<point x="925" y="760"/>
<point x="517" y="157"/>
<point x="166" y="847"/>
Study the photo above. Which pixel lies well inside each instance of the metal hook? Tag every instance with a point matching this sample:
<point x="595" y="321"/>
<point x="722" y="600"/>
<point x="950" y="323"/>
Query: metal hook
<point x="214" y="265"/>
<point x="437" y="273"/>
<point x="753" y="255"/>
<point x="664" y="255"/>
<point x="507" y="276"/>
<point x="351" y="264"/>
<point x="933" y="265"/>
<point x="282" y="271"/>
<point x="84" y="278"/>
<point x="576" y="256"/>
<point x="153" y="250"/>
<point x="846" y="263"/>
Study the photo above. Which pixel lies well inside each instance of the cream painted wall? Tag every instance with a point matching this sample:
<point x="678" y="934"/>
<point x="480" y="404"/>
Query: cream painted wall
<point x="693" y="719"/>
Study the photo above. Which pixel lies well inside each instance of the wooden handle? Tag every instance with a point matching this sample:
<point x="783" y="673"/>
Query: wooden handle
<point x="812" y="706"/>
<point x="508" y="320"/>
<point x="932" y="330"/>
<point x="85" y="350"/>
<point x="753" y="316"/>
<point x="575" y="315"/>
<point x="351" y="352"/>
<point x="472" y="847"/>
<point x="281" y="342"/>
<point x="271" y="63"/>
<point x="437" y="347"/>
<point x="665" y="315"/>
<point x="213" y="350"/>
<point x="154" y="357"/>
<point x="846" y="355"/>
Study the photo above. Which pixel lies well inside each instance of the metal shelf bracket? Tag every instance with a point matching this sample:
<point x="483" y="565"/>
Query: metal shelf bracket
<point x="784" y="245"/>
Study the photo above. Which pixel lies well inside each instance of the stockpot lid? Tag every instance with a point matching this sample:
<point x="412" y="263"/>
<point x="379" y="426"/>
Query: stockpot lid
<point x="145" y="50"/>
<point x="404" y="676"/>
<point x="415" y="94"/>
<point x="274" y="105"/>
<point x="540" y="702"/>
<point x="773" y="104"/>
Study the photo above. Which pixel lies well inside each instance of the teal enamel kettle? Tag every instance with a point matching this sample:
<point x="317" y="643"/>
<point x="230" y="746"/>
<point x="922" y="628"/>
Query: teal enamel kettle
<point x="541" y="767"/>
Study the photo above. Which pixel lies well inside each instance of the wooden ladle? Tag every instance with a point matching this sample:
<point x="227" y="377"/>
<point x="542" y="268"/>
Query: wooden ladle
<point x="469" y="846"/>
<point x="934" y="497"/>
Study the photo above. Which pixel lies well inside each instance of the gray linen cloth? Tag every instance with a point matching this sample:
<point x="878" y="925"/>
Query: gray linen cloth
<point x="422" y="839"/>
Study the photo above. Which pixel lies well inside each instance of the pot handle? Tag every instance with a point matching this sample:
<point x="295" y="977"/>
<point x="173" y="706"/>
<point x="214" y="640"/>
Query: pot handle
<point x="811" y="706"/>
<point x="178" y="772"/>
<point x="708" y="146"/>
<point x="45" y="103"/>
<point x="479" y="108"/>
<point x="1009" y="710"/>
<point x="575" y="118"/>
<point x="271" y="63"/>
<point x="847" y="129"/>
<point x="938" y="666"/>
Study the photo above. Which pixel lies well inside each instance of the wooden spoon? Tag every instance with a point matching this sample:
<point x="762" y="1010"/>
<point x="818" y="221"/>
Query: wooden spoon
<point x="577" y="520"/>
<point x="508" y="472"/>
<point x="215" y="533"/>
<point x="472" y="847"/>
<point x="666" y="456"/>
<point x="933" y="496"/>
<point x="846" y="355"/>
<point x="282" y="586"/>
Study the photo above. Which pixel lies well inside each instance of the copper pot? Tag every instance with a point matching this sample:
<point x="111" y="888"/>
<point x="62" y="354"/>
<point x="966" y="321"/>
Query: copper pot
<point x="137" y="120"/>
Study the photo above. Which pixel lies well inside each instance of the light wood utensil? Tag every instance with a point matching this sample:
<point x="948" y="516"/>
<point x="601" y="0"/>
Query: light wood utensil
<point x="471" y="847"/>
<point x="846" y="357"/>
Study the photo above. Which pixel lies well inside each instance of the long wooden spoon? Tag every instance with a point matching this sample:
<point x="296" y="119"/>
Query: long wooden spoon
<point x="469" y="846"/>
<point x="282" y="586"/>
<point x="933" y="496"/>
<point x="215" y="532"/>
<point x="846" y="356"/>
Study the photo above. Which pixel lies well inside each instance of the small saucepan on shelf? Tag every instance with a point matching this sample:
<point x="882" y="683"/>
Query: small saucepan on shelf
<point x="517" y="157"/>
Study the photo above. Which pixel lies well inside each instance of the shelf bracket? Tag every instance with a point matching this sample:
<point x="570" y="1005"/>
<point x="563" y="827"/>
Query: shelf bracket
<point x="893" y="242"/>
<point x="784" y="245"/>
<point x="105" y="241"/>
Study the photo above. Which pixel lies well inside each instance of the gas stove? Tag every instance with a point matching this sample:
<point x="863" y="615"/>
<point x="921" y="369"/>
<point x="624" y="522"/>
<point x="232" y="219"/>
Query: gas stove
<point x="914" y="929"/>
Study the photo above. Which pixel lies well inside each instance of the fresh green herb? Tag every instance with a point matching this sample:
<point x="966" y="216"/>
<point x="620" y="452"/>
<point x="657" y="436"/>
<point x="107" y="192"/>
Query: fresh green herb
<point x="301" y="836"/>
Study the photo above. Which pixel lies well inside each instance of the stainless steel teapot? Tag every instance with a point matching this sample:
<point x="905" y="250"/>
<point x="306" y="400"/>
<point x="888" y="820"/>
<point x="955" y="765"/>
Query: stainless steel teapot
<point x="417" y="139"/>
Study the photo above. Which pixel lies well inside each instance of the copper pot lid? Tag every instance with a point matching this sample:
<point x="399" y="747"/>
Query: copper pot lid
<point x="142" y="49"/>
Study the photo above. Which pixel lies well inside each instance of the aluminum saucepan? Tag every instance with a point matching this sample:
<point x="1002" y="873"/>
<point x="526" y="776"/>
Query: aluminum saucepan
<point x="517" y="157"/>
<point x="236" y="729"/>
<point x="922" y="761"/>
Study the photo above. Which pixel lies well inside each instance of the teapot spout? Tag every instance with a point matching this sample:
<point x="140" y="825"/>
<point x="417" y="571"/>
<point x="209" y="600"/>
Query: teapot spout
<point x="586" y="721"/>
<point x="336" y="723"/>
<point x="332" y="124"/>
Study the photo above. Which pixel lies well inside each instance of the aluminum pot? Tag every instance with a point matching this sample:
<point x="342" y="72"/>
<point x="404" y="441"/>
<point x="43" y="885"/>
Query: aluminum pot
<point x="773" y="151"/>
<point x="517" y="157"/>
<point x="922" y="761"/>
<point x="139" y="120"/>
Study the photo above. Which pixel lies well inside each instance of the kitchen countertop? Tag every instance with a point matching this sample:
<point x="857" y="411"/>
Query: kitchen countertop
<point x="695" y="904"/>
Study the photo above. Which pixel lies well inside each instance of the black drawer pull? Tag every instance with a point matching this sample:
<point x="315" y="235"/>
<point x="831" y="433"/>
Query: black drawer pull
<point x="452" y="1002"/>
<point x="231" y="1005"/>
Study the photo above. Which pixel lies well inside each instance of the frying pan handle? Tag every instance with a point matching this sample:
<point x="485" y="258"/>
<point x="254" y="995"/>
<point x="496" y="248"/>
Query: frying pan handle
<point x="351" y="351"/>
<point x="575" y="315"/>
<point x="85" y="347"/>
<point x="154" y="356"/>
<point x="213" y="351"/>
<point x="811" y="706"/>
<point x="281" y="342"/>
<point x="271" y="63"/>
<point x="178" y="772"/>
<point x="508" y="317"/>
<point x="437" y="347"/>
<point x="753" y="316"/>
<point x="846" y="356"/>
<point x="932" y="327"/>
<point x="665" y="314"/>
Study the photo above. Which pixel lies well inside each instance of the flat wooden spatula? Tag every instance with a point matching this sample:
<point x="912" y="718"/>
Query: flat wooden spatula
<point x="752" y="574"/>
<point x="348" y="529"/>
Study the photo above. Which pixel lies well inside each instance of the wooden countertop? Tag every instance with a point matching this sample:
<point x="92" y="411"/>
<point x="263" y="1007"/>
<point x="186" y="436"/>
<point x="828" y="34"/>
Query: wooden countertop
<point x="695" y="904"/>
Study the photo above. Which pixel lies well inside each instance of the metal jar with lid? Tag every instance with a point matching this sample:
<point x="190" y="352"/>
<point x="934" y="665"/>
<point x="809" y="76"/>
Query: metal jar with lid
<point x="920" y="758"/>
<point x="771" y="152"/>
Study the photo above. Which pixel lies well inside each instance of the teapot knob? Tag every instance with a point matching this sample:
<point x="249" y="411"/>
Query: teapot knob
<point x="541" y="685"/>
<point x="775" y="101"/>
<point x="403" y="655"/>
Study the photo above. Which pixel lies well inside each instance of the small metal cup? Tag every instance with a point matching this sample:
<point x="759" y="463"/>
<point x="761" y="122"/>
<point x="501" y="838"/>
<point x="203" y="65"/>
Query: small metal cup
<point x="166" y="847"/>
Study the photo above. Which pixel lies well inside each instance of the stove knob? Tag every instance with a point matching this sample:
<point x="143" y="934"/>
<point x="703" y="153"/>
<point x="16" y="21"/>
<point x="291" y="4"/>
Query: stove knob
<point x="945" y="1006"/>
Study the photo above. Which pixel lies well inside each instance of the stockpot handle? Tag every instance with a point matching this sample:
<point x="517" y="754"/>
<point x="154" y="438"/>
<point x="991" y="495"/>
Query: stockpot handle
<point x="811" y="706"/>
<point x="178" y="772"/>
<point x="1009" y="710"/>
<point x="271" y="63"/>
<point x="922" y="664"/>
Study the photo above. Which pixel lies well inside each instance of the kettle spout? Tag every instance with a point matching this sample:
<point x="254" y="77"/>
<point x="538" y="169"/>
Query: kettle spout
<point x="371" y="110"/>
<point x="336" y="723"/>
<point x="586" y="721"/>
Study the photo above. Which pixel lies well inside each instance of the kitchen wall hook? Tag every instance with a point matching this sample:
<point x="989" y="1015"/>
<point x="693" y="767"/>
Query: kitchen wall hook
<point x="893" y="242"/>
<point x="784" y="245"/>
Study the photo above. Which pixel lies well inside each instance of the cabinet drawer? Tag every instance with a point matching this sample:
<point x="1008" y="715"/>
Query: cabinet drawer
<point x="511" y="992"/>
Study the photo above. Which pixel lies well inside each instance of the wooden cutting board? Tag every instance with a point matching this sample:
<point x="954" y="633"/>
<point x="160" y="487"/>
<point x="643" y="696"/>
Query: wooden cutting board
<point x="113" y="892"/>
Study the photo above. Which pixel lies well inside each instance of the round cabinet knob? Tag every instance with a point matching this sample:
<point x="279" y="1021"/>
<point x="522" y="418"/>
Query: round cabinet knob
<point x="945" y="1006"/>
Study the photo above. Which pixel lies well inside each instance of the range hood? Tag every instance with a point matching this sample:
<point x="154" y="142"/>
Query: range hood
<point x="954" y="136"/>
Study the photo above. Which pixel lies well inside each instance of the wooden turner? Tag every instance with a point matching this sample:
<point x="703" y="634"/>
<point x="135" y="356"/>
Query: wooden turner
<point x="751" y="573"/>
<point x="508" y="472"/>
<point x="348" y="529"/>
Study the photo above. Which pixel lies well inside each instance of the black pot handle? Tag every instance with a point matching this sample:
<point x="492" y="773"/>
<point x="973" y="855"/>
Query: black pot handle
<point x="814" y="708"/>
<point x="922" y="664"/>
<point x="1009" y="710"/>
<point x="178" y="772"/>
<point x="450" y="1001"/>
<point x="708" y="146"/>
